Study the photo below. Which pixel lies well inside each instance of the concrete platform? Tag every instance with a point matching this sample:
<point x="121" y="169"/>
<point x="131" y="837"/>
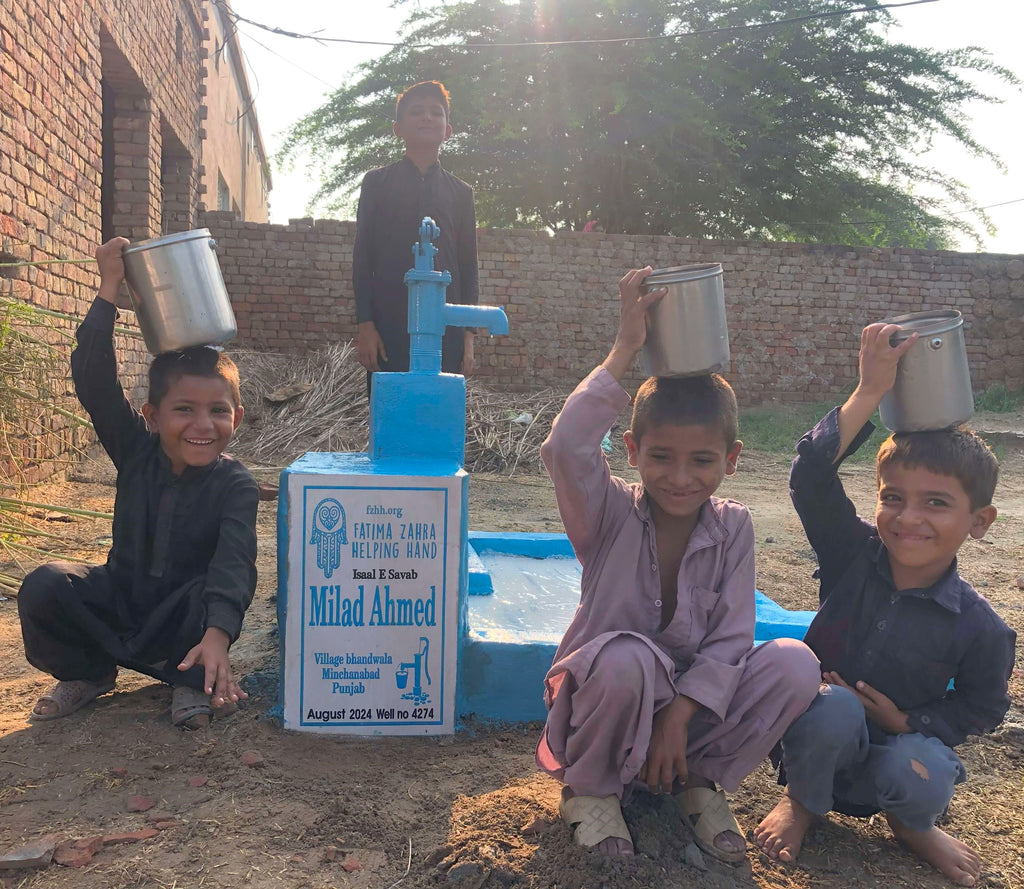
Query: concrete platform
<point x="523" y="591"/>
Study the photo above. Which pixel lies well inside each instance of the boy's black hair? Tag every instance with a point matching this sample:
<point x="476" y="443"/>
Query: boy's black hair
<point x="197" y="361"/>
<point x="705" y="400"/>
<point x="959" y="452"/>
<point x="433" y="88"/>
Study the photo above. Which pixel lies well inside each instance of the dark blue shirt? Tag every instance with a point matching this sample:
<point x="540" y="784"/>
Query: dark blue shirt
<point x="907" y="643"/>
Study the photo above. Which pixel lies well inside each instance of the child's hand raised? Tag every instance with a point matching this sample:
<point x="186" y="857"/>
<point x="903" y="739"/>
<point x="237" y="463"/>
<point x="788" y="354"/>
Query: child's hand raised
<point x="633" y="305"/>
<point x="632" y="334"/>
<point x="110" y="259"/>
<point x="879" y="359"/>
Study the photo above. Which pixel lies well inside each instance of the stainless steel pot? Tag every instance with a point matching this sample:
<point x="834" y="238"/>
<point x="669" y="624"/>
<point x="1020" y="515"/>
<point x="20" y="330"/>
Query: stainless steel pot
<point x="686" y="330"/>
<point x="933" y="380"/>
<point x="178" y="291"/>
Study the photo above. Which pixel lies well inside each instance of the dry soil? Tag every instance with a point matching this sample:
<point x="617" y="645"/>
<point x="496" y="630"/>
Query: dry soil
<point x="466" y="811"/>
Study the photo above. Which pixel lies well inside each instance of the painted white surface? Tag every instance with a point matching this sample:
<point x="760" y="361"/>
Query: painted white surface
<point x="372" y="604"/>
<point x="533" y="599"/>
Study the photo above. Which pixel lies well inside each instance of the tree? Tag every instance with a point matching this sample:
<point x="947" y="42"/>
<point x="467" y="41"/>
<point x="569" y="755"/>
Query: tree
<point x="804" y="130"/>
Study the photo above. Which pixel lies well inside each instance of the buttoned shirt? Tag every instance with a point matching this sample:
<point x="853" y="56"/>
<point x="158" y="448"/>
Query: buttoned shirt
<point x="906" y="643"/>
<point x="609" y="523"/>
<point x="168" y="529"/>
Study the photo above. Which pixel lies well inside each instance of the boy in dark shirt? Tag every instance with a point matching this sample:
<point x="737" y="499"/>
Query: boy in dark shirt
<point x="392" y="203"/>
<point x="895" y="624"/>
<point x="182" y="568"/>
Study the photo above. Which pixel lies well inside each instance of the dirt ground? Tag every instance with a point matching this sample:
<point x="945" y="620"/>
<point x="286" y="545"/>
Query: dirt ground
<point x="468" y="811"/>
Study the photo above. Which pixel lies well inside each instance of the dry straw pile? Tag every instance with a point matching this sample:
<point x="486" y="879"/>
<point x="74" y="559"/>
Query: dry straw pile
<point x="317" y="402"/>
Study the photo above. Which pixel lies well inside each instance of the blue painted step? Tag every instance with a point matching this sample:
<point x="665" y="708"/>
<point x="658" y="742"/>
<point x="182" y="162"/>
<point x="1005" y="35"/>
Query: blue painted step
<point x="513" y="636"/>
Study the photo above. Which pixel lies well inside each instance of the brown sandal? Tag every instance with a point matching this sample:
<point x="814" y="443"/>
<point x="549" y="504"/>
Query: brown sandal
<point x="190" y="708"/>
<point x="69" y="695"/>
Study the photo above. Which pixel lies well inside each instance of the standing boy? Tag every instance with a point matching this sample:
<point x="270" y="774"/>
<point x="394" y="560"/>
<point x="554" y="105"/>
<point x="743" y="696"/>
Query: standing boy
<point x="656" y="680"/>
<point x="392" y="203"/>
<point x="182" y="567"/>
<point x="896" y="623"/>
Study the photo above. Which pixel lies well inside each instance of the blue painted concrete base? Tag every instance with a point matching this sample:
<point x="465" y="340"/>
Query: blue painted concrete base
<point x="417" y="415"/>
<point x="501" y="679"/>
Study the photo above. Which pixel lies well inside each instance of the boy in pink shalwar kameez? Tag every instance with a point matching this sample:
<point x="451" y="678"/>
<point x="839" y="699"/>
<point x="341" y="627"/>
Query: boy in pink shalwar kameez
<point x="656" y="678"/>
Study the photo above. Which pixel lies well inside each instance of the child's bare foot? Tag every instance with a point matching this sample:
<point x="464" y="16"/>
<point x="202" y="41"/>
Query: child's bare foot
<point x="956" y="860"/>
<point x="782" y="831"/>
<point x="613" y="846"/>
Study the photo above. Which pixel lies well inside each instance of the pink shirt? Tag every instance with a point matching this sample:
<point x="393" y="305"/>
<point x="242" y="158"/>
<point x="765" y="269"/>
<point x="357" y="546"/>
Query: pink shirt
<point x="609" y="524"/>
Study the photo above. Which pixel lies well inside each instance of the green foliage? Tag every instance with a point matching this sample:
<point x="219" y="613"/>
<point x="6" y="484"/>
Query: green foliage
<point x="998" y="400"/>
<point x="803" y="131"/>
<point x="777" y="429"/>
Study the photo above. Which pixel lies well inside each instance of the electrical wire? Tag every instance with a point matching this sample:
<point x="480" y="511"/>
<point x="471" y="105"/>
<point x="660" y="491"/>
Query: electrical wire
<point x="700" y="32"/>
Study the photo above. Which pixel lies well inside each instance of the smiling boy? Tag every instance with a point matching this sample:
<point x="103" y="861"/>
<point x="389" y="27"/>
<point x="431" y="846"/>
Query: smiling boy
<point x="896" y="624"/>
<point x="657" y="682"/>
<point x="182" y="567"/>
<point x="393" y="201"/>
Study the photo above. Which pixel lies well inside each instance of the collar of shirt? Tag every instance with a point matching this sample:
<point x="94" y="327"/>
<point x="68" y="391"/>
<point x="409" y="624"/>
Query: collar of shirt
<point x="945" y="591"/>
<point x="433" y="170"/>
<point x="709" y="530"/>
<point x="187" y="474"/>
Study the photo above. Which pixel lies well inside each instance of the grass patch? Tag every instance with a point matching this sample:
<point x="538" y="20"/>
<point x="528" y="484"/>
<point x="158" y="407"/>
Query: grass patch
<point x="777" y="429"/>
<point x="997" y="400"/>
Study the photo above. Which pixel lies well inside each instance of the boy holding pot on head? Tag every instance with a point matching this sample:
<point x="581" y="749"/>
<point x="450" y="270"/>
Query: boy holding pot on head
<point x="896" y="623"/>
<point x="182" y="567"/>
<point x="392" y="203"/>
<point x="656" y="681"/>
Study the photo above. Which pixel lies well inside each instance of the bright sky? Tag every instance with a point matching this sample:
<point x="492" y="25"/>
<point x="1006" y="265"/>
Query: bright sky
<point x="291" y="77"/>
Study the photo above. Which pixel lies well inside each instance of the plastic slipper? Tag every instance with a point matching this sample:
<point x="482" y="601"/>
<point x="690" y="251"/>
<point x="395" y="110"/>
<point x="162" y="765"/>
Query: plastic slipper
<point x="190" y="707"/>
<point x="707" y="813"/>
<point x="70" y="695"/>
<point x="594" y="818"/>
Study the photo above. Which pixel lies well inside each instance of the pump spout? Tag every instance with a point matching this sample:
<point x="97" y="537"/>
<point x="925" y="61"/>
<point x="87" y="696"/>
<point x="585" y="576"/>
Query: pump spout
<point x="491" y="317"/>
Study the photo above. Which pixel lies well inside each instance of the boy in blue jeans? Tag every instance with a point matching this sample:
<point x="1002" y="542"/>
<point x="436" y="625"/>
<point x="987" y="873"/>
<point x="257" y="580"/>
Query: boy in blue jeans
<point x="895" y="624"/>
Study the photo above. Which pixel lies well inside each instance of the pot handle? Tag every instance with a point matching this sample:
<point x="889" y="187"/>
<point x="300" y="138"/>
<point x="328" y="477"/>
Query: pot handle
<point x="213" y="245"/>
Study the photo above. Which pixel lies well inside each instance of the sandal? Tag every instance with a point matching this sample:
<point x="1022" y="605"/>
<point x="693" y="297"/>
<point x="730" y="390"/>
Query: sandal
<point x="190" y="708"/>
<point x="594" y="818"/>
<point x="70" y="695"/>
<point x="707" y="813"/>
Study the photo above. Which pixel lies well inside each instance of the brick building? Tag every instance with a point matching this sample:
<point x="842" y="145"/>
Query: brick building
<point x="100" y="134"/>
<point x="235" y="172"/>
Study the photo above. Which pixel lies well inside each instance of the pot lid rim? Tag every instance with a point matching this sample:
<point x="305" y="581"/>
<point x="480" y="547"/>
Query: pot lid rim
<point x="167" y="240"/>
<point x="927" y="323"/>
<point x="675" y="274"/>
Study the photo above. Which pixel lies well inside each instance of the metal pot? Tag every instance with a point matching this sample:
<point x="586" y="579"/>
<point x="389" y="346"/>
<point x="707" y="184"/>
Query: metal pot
<point x="933" y="380"/>
<point x="686" y="330"/>
<point x="178" y="292"/>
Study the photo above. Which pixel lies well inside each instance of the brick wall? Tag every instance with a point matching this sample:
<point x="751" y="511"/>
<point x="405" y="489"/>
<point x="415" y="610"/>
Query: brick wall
<point x="795" y="311"/>
<point x="81" y="82"/>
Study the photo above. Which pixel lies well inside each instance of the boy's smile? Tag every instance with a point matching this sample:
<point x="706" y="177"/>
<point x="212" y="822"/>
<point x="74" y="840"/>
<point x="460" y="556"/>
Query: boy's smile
<point x="681" y="466"/>
<point x="923" y="517"/>
<point x="195" y="420"/>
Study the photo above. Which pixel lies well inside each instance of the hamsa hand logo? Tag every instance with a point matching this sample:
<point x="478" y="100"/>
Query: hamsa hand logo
<point x="328" y="534"/>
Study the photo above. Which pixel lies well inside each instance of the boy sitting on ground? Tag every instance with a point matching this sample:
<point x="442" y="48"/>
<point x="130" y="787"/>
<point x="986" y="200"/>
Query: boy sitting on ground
<point x="656" y="679"/>
<point x="182" y="567"/>
<point x="896" y="623"/>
